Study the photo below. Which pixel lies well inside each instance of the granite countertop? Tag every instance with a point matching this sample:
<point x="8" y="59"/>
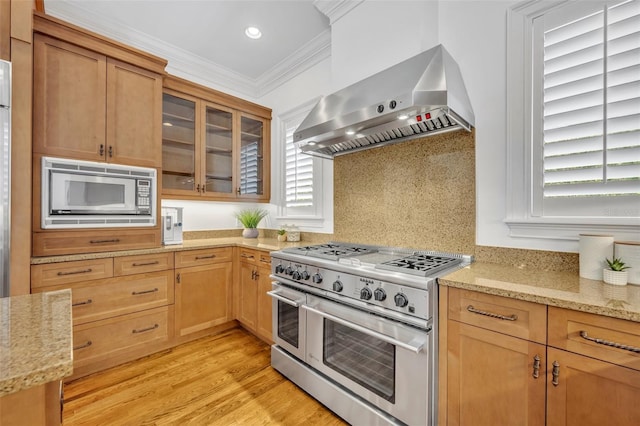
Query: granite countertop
<point x="35" y="340"/>
<point x="268" y="244"/>
<point x="561" y="289"/>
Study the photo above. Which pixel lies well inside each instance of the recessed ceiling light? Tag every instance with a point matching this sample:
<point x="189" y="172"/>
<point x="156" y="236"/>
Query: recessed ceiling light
<point x="253" y="32"/>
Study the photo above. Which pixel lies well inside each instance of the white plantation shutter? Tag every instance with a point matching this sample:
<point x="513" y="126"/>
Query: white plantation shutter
<point x="249" y="168"/>
<point x="591" y="109"/>
<point x="298" y="174"/>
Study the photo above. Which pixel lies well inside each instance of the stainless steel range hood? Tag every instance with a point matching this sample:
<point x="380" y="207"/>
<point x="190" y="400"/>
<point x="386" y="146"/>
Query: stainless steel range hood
<point x="421" y="96"/>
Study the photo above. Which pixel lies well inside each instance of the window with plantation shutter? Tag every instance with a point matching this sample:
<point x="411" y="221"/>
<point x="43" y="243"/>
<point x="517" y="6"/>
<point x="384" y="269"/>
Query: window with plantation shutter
<point x="581" y="116"/>
<point x="298" y="175"/>
<point x="249" y="175"/>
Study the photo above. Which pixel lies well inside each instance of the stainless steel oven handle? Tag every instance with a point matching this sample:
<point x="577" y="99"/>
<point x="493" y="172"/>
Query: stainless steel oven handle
<point x="294" y="303"/>
<point x="414" y="348"/>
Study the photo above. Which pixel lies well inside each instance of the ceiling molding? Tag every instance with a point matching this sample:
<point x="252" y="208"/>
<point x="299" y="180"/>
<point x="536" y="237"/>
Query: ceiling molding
<point x="187" y="65"/>
<point x="335" y="9"/>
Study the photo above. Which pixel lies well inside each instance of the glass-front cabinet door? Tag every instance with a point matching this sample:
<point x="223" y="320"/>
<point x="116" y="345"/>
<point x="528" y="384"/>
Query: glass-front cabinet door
<point x="252" y="164"/>
<point x="179" y="140"/>
<point x="218" y="155"/>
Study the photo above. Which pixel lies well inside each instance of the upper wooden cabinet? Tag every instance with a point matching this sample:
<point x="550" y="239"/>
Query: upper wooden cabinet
<point x="214" y="146"/>
<point x="94" y="99"/>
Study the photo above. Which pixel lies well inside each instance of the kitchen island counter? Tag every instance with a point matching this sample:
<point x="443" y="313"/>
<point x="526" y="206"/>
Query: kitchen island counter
<point x="553" y="288"/>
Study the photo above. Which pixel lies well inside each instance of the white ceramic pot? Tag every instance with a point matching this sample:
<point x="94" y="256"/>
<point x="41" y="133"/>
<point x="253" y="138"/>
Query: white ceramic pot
<point x="282" y="237"/>
<point x="250" y="233"/>
<point x="614" y="277"/>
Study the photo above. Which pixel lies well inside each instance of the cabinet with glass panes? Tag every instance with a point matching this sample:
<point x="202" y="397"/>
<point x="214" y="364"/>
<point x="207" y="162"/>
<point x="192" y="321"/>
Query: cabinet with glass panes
<point x="215" y="146"/>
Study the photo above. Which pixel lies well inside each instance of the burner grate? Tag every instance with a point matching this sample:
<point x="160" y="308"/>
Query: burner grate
<point x="331" y="251"/>
<point x="419" y="264"/>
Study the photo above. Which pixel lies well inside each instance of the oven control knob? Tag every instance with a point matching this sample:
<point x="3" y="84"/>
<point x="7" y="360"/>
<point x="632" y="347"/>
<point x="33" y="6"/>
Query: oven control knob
<point x="379" y="294"/>
<point x="337" y="286"/>
<point x="317" y="278"/>
<point x="305" y="275"/>
<point x="279" y="269"/>
<point x="289" y="270"/>
<point x="365" y="293"/>
<point x="296" y="275"/>
<point x="401" y="300"/>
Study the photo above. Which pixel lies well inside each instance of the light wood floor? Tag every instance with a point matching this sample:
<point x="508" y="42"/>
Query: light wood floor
<point x="220" y="380"/>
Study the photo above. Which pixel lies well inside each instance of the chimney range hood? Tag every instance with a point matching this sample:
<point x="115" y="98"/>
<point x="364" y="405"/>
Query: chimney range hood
<point x="421" y="96"/>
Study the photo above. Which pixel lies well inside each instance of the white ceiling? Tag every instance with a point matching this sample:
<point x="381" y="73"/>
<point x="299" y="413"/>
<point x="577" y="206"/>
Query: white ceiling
<point x="210" y="33"/>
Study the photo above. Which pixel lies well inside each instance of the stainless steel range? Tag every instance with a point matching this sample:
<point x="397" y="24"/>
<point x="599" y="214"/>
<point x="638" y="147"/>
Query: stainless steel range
<point x="355" y="326"/>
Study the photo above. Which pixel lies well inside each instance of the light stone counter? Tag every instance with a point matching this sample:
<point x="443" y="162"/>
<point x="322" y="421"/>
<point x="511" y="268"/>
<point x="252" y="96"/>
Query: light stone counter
<point x="35" y="340"/>
<point x="268" y="244"/>
<point x="561" y="289"/>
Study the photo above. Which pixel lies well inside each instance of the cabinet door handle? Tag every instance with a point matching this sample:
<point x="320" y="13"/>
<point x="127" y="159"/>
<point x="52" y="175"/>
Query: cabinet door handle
<point x="555" y="373"/>
<point x="114" y="240"/>
<point x="101" y="150"/>
<point x="238" y="191"/>
<point x="473" y="310"/>
<point x="155" y="262"/>
<point x="142" y="330"/>
<point x="253" y="275"/>
<point x="82" y="271"/>
<point x="629" y="348"/>
<point x="178" y="278"/>
<point x="110" y="151"/>
<point x="211" y="256"/>
<point x="86" y="302"/>
<point x="135" y="293"/>
<point x="84" y="345"/>
<point x="536" y="366"/>
<point x="198" y="188"/>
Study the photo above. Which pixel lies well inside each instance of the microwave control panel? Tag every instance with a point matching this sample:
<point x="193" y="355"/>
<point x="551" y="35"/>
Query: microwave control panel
<point x="144" y="195"/>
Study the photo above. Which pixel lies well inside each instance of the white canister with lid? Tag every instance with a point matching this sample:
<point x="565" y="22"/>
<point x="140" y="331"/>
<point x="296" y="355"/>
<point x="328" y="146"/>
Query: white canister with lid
<point x="594" y="250"/>
<point x="293" y="233"/>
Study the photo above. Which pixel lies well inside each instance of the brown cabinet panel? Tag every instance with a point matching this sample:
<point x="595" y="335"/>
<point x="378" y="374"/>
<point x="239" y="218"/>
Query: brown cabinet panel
<point x="69" y="242"/>
<point x="248" y="296"/>
<point x="490" y="378"/>
<point x="138" y="264"/>
<point x="509" y="316"/>
<point x="69" y="93"/>
<point x="54" y="274"/>
<point x="264" y="322"/>
<point x="203" y="297"/>
<point x="134" y="108"/>
<point x="590" y="391"/>
<point x="203" y="257"/>
<point x="99" y="299"/>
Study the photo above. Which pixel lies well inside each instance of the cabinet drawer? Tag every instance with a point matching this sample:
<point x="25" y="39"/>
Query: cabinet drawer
<point x="108" y="338"/>
<point x="248" y="255"/>
<point x="56" y="243"/>
<point x="609" y="339"/>
<point x="55" y="274"/>
<point x="110" y="297"/>
<point x="517" y="318"/>
<point x="129" y="265"/>
<point x="203" y="257"/>
<point x="264" y="259"/>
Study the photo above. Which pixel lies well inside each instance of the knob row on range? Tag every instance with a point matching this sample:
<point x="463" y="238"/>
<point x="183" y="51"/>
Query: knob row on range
<point x="297" y="275"/>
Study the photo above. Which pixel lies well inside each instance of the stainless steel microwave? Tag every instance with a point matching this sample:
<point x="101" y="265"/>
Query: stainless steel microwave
<point x="86" y="194"/>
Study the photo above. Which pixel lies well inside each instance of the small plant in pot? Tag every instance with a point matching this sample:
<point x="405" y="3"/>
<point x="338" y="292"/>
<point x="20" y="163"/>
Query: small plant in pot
<point x="250" y="218"/>
<point x="616" y="272"/>
<point x="282" y="234"/>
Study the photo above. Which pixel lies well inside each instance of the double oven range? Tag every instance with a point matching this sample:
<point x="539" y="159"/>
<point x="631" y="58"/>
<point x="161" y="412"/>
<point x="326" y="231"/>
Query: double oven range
<point x="355" y="326"/>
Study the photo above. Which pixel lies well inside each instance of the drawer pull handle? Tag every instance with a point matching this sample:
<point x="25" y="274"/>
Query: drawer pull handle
<point x="85" y="345"/>
<point x="555" y="373"/>
<point x="585" y="336"/>
<point x="536" y="366"/>
<point x="83" y="271"/>
<point x="265" y="260"/>
<point x="86" y="302"/>
<point x="211" y="256"/>
<point x="473" y="310"/>
<point x="114" y="240"/>
<point x="155" y="262"/>
<point x="246" y="256"/>
<point x="135" y="293"/>
<point x="142" y="330"/>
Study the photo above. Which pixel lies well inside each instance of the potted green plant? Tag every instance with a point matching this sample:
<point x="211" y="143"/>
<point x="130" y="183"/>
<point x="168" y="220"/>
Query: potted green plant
<point x="250" y="218"/>
<point x="282" y="234"/>
<point x="616" y="272"/>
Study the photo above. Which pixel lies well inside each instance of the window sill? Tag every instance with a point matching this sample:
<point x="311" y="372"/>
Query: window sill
<point x="563" y="230"/>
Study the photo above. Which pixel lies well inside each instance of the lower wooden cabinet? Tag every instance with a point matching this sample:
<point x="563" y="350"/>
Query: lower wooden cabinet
<point x="56" y="243"/>
<point x="203" y="297"/>
<point x="254" y="311"/>
<point x="39" y="405"/>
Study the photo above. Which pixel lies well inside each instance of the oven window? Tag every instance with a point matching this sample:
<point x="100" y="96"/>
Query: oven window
<point x="288" y="323"/>
<point x="95" y="194"/>
<point x="368" y="361"/>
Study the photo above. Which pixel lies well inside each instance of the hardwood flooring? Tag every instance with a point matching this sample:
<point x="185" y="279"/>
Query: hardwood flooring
<point x="219" y="380"/>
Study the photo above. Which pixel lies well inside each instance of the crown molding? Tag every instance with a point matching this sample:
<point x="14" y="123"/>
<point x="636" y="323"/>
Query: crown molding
<point x="335" y="9"/>
<point x="187" y="65"/>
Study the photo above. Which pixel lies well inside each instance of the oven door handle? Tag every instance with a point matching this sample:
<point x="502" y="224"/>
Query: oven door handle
<point x="294" y="303"/>
<point x="417" y="348"/>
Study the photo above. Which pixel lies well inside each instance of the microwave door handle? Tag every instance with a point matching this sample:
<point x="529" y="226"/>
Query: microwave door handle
<point x="276" y="295"/>
<point x="417" y="348"/>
